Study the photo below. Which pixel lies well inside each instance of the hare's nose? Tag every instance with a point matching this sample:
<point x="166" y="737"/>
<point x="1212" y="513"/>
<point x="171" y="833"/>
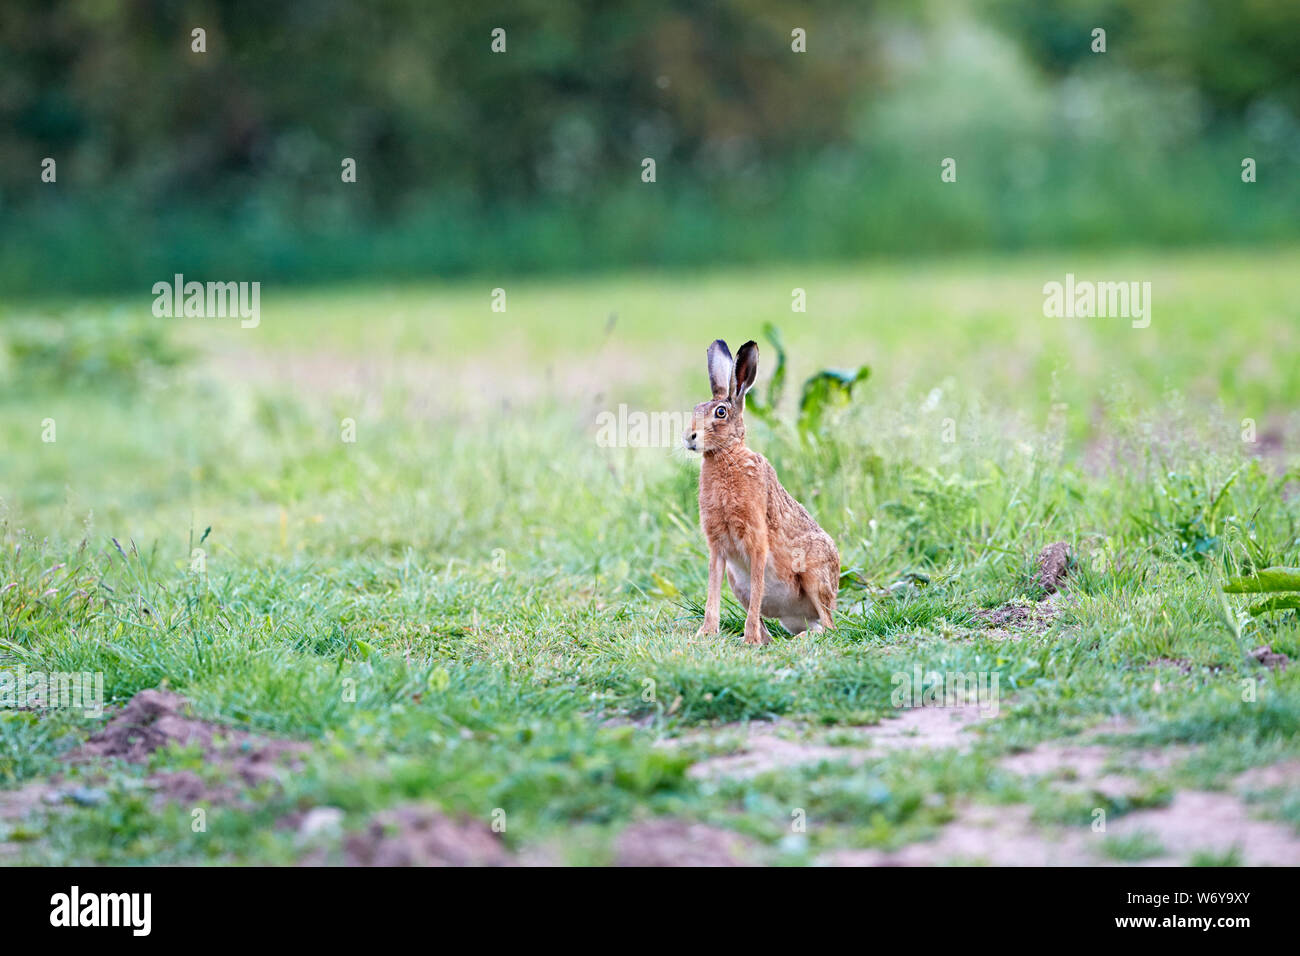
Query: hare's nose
<point x="692" y="436"/>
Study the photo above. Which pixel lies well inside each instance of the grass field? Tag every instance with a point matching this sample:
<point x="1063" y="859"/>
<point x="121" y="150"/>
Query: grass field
<point x="476" y="623"/>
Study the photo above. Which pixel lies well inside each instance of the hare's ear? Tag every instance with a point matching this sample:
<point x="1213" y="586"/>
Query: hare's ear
<point x="746" y="372"/>
<point x="720" y="368"/>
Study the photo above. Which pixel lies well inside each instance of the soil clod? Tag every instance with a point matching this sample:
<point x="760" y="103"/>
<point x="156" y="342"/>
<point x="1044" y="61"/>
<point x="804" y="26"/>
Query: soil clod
<point x="678" y="843"/>
<point x="1053" y="565"/>
<point x="1270" y="658"/>
<point x="155" y="719"/>
<point x="422" y="836"/>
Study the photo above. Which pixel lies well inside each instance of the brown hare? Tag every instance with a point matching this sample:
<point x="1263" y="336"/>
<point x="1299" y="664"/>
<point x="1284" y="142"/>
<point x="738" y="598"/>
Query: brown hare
<point x="779" y="561"/>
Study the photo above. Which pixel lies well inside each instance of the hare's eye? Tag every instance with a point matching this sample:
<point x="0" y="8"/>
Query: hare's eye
<point x="720" y="411"/>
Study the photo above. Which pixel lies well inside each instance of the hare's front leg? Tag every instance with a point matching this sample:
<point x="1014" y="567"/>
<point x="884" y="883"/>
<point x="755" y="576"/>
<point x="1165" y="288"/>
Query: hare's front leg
<point x="755" y="630"/>
<point x="713" y="603"/>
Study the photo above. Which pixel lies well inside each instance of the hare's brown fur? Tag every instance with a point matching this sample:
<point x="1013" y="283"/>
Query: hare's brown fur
<point x="778" y="560"/>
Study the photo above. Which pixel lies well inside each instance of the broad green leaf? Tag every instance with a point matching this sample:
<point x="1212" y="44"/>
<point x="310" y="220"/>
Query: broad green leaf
<point x="826" y="390"/>
<point x="1285" y="602"/>
<point x="1269" y="579"/>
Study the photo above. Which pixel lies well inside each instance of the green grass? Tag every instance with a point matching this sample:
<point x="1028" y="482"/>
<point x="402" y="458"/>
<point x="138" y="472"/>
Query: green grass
<point x="1133" y="848"/>
<point x="495" y="585"/>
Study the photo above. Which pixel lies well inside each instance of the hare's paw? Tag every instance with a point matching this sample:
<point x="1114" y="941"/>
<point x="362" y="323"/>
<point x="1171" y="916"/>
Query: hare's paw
<point x="757" y="633"/>
<point x="707" y="630"/>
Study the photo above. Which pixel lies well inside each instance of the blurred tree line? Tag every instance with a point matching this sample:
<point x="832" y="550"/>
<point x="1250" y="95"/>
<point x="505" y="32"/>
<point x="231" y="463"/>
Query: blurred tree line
<point x="1235" y="54"/>
<point x="468" y="160"/>
<point x="412" y="90"/>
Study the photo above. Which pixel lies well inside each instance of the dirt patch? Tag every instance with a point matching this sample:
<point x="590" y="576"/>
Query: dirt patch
<point x="1270" y="658"/>
<point x="16" y="804"/>
<point x="423" y="836"/>
<point x="678" y="843"/>
<point x="994" y="836"/>
<point x="1046" y="761"/>
<point x="767" y="746"/>
<point x="154" y="719"/>
<point x="1006" y="614"/>
<point x="932" y="728"/>
<point x="1285" y="775"/>
<point x="1090" y="768"/>
<point x="1270" y="449"/>
<point x="1016" y="618"/>
<point x="1213" y="823"/>
<point x="1180" y="664"/>
<point x="1088" y="760"/>
<point x="1020" y="616"/>
<point x="1194" y="823"/>
<point x="639" y="723"/>
<point x="765" y="749"/>
<point x="151" y="720"/>
<point x="1269" y="444"/>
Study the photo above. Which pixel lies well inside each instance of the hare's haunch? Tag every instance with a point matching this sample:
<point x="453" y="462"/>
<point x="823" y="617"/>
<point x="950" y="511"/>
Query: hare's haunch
<point x="778" y="560"/>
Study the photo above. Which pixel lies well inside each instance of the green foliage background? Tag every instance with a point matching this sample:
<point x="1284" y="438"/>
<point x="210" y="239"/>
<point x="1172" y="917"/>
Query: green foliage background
<point x="228" y="163"/>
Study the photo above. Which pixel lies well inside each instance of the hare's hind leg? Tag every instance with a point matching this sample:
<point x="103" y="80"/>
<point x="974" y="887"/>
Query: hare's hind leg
<point x="823" y="600"/>
<point x="817" y="602"/>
